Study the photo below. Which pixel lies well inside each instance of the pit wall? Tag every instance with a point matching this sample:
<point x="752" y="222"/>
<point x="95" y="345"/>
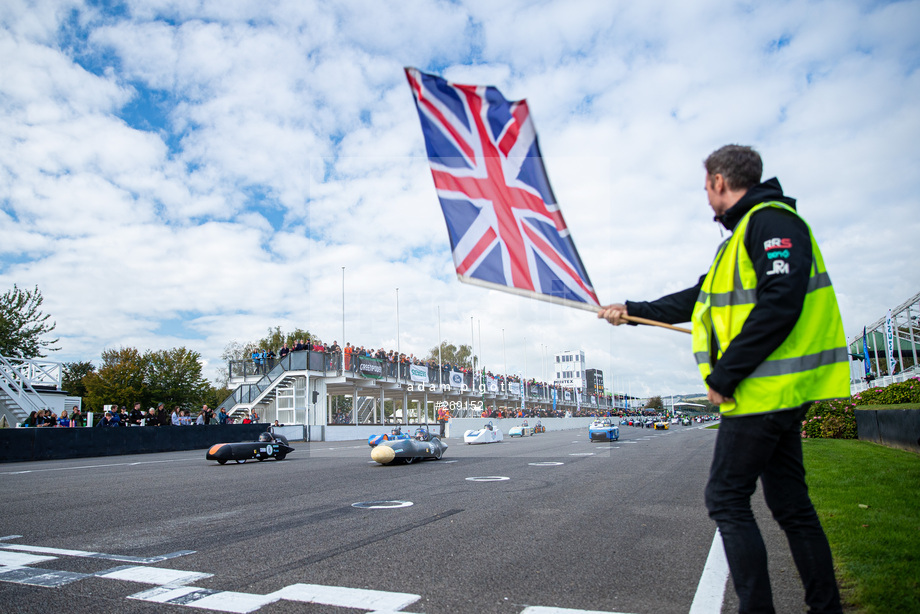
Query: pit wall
<point x="896" y="428"/>
<point x="31" y="444"/>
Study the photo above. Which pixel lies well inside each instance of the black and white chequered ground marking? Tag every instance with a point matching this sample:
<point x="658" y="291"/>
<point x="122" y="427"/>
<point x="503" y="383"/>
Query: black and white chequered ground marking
<point x="172" y="586"/>
<point x="378" y="602"/>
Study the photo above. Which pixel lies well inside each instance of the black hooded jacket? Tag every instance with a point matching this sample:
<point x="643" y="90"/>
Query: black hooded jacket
<point x="780" y="290"/>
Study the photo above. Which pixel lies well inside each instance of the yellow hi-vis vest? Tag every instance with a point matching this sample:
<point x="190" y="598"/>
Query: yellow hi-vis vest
<point x="810" y="365"/>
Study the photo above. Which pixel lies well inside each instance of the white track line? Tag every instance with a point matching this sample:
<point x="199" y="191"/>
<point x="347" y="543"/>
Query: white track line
<point x="711" y="590"/>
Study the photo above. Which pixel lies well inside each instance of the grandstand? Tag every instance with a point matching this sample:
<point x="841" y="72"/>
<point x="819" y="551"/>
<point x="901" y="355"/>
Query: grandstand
<point x="887" y="367"/>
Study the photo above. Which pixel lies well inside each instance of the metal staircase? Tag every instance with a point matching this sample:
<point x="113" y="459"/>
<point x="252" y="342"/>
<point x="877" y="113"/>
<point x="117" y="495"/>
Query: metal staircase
<point x="18" y="395"/>
<point x="261" y="393"/>
<point x="366" y="410"/>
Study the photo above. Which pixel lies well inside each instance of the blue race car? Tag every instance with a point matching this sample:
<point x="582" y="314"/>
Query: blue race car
<point x="603" y="429"/>
<point x="395" y="434"/>
<point x="421" y="447"/>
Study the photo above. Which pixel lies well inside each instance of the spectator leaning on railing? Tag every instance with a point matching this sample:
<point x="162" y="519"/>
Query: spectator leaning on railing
<point x="108" y="419"/>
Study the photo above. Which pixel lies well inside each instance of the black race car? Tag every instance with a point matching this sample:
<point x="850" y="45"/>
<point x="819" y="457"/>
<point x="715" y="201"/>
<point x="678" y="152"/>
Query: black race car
<point x="268" y="446"/>
<point x="423" y="445"/>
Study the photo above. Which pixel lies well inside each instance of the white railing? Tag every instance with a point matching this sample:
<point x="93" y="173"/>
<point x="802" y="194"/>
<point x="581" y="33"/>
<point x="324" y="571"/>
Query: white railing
<point x="34" y="372"/>
<point x="18" y="378"/>
<point x="886" y="380"/>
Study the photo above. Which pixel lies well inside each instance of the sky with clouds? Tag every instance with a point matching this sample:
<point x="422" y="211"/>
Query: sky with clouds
<point x="177" y="173"/>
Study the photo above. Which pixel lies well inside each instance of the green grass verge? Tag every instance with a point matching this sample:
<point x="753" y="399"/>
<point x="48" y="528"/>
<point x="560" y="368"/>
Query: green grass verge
<point x="866" y="497"/>
<point x="895" y="406"/>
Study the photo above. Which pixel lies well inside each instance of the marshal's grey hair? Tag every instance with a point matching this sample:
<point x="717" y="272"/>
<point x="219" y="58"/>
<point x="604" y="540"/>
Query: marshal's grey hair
<point x="740" y="165"/>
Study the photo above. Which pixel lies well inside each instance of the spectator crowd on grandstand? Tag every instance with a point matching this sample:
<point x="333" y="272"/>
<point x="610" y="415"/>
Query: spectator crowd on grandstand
<point x="347" y="358"/>
<point x="120" y="416"/>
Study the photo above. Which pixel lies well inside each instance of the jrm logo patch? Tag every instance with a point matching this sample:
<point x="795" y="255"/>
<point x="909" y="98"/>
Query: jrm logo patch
<point x="780" y="267"/>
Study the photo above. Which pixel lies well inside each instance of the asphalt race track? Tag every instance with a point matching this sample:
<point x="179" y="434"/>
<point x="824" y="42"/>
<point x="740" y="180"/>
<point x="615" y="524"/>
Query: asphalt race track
<point x="544" y="524"/>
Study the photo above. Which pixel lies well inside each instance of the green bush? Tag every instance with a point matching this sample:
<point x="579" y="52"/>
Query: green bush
<point x="903" y="392"/>
<point x="837" y="419"/>
<point x="834" y="419"/>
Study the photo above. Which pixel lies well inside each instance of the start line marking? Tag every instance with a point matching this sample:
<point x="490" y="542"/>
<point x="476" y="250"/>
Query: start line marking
<point x="99" y="466"/>
<point x="91" y="555"/>
<point x="171" y="585"/>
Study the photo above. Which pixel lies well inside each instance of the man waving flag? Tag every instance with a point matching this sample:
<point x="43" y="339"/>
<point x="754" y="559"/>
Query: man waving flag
<point x="506" y="230"/>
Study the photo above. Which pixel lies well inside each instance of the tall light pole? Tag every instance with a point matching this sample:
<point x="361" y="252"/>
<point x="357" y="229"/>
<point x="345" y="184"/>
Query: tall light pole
<point x="397" y="332"/>
<point x="505" y="358"/>
<point x="343" y="307"/>
<point x="472" y="355"/>
<point x="440" y="364"/>
<point x="480" y="346"/>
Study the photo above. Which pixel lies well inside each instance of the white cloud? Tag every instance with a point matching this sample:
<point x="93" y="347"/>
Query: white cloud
<point x="283" y="144"/>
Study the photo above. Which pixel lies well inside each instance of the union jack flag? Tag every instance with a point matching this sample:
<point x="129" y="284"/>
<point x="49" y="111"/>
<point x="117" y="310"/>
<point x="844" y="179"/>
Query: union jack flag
<point x="506" y="230"/>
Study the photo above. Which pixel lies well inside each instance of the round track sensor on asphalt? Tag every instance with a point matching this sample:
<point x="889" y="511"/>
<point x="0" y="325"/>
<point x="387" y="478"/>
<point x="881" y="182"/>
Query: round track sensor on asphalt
<point x="381" y="505"/>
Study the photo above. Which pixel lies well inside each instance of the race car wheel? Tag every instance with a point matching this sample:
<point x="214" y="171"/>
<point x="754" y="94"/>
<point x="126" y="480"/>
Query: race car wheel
<point x="222" y="462"/>
<point x="260" y="458"/>
<point x="410" y="460"/>
<point x="281" y="456"/>
<point x="437" y="454"/>
<point x="240" y="461"/>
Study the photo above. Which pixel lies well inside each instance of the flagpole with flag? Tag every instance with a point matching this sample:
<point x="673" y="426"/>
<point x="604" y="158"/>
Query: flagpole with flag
<point x="889" y="344"/>
<point x="505" y="227"/>
<point x="867" y="363"/>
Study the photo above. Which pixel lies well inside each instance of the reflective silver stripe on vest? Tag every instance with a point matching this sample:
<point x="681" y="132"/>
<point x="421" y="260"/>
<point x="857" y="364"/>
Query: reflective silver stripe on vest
<point x="702" y="358"/>
<point x="741" y="296"/>
<point x="800" y="364"/>
<point x="818" y="281"/>
<point x="738" y="296"/>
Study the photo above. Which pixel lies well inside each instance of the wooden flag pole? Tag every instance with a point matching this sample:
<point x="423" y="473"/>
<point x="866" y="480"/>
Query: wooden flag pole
<point x="561" y="301"/>
<point x="638" y="320"/>
<point x="655" y="323"/>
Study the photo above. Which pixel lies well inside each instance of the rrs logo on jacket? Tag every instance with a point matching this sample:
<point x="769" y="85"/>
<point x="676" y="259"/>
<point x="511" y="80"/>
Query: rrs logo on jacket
<point x="776" y="243"/>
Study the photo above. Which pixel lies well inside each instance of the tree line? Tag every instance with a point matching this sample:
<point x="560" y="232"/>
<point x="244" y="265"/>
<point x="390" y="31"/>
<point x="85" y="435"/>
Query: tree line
<point x="127" y="376"/>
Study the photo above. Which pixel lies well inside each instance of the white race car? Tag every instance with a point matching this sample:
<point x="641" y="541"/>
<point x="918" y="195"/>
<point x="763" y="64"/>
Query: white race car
<point x="487" y="434"/>
<point x="521" y="430"/>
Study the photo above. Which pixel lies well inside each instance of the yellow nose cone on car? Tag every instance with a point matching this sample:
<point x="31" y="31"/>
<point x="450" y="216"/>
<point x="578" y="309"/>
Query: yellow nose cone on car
<point x="383" y="454"/>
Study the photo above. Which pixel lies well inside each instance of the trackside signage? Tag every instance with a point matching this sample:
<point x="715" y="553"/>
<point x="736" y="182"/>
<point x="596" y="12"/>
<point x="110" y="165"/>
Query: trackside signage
<point x="418" y="373"/>
<point x="371" y="367"/>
